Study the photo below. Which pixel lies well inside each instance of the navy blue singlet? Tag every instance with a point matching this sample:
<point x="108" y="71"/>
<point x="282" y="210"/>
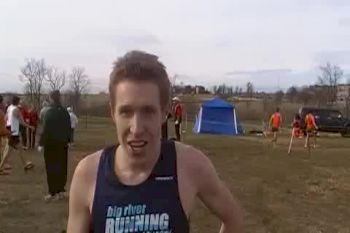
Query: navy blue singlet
<point x="153" y="206"/>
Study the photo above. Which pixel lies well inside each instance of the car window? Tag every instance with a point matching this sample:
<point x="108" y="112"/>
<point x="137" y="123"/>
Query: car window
<point x="317" y="113"/>
<point x="335" y="114"/>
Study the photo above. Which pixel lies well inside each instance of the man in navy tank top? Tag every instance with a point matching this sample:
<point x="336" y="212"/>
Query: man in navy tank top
<point x="145" y="184"/>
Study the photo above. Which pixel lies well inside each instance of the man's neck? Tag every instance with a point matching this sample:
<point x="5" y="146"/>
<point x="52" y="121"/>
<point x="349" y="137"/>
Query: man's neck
<point x="56" y="103"/>
<point x="125" y="162"/>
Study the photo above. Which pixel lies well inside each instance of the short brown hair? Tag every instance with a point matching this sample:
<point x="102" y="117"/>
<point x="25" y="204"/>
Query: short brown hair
<point x="15" y="100"/>
<point x="140" y="66"/>
<point x="55" y="96"/>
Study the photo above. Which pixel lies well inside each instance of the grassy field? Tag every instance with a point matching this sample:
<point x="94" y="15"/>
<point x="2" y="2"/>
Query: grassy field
<point x="279" y="193"/>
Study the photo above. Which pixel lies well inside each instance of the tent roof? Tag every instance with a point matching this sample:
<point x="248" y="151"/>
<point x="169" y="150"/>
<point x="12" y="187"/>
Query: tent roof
<point x="217" y="103"/>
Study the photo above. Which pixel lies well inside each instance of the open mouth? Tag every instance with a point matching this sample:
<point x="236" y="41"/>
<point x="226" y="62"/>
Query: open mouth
<point x="137" y="145"/>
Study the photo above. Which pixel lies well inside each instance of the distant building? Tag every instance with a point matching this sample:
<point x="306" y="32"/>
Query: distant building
<point x="188" y="89"/>
<point x="343" y="93"/>
<point x="200" y="90"/>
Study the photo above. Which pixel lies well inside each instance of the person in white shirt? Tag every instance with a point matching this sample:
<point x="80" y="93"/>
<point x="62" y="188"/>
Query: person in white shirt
<point x="14" y="120"/>
<point x="74" y="123"/>
<point x="43" y="111"/>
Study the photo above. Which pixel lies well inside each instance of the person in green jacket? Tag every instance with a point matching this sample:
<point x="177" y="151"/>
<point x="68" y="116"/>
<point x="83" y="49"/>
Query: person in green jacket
<point x="54" y="141"/>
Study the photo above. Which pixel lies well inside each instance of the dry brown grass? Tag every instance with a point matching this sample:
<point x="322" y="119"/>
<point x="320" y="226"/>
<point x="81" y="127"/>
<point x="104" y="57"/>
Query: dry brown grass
<point x="279" y="193"/>
<point x="254" y="110"/>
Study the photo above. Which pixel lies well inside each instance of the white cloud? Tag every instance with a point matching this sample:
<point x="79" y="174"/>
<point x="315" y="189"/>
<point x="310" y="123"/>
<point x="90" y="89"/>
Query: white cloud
<point x="197" y="38"/>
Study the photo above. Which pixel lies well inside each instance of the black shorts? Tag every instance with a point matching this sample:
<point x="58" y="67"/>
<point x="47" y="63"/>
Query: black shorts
<point x="13" y="141"/>
<point x="274" y="129"/>
<point x="311" y="130"/>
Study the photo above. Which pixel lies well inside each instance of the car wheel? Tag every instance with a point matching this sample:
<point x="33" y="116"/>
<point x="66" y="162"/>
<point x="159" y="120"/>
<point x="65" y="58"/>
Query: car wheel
<point x="346" y="132"/>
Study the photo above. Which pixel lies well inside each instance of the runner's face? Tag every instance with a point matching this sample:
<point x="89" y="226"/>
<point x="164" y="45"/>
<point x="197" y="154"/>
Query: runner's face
<point x="138" y="117"/>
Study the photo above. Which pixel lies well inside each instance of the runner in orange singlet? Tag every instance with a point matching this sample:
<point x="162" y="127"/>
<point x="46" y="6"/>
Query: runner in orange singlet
<point x="275" y="124"/>
<point x="311" y="129"/>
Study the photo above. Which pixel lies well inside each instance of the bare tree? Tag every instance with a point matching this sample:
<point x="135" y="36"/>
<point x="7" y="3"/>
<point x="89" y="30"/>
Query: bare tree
<point x="79" y="82"/>
<point x="319" y="94"/>
<point x="279" y="97"/>
<point x="173" y="85"/>
<point x="304" y="95"/>
<point x="250" y="90"/>
<point x="265" y="102"/>
<point x="215" y="89"/>
<point x="292" y="93"/>
<point x="33" y="75"/>
<point x="230" y="91"/>
<point x="223" y="91"/>
<point x="330" y="77"/>
<point x="236" y="93"/>
<point x="55" y="78"/>
<point x="240" y="91"/>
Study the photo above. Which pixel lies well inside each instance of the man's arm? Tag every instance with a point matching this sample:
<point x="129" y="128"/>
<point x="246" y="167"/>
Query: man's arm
<point x="3" y="130"/>
<point x="217" y="197"/>
<point x="19" y="115"/>
<point x="68" y="126"/>
<point x="270" y="121"/>
<point x="46" y="128"/>
<point x="79" y="214"/>
<point x="76" y="119"/>
<point x="314" y="122"/>
<point x="41" y="115"/>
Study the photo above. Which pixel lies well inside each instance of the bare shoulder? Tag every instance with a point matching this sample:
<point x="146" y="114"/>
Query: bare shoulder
<point x="194" y="164"/>
<point x="82" y="192"/>
<point x="192" y="157"/>
<point x="84" y="180"/>
<point x="87" y="167"/>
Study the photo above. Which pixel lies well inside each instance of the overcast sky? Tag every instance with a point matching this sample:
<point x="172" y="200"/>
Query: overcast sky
<point x="273" y="43"/>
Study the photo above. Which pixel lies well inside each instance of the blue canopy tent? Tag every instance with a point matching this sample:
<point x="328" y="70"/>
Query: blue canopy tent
<point x="216" y="116"/>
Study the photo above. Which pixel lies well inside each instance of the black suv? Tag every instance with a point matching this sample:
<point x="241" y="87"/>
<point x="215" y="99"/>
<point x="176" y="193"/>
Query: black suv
<point x="327" y="120"/>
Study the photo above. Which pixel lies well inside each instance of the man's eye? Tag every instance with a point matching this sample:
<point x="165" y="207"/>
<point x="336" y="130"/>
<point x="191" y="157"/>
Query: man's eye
<point x="149" y="111"/>
<point x="125" y="112"/>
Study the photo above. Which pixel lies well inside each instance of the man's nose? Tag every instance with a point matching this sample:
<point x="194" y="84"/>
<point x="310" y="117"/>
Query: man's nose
<point x="137" y="125"/>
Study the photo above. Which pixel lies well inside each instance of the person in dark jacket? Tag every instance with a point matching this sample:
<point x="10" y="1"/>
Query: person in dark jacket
<point x="165" y="127"/>
<point x="54" y="141"/>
